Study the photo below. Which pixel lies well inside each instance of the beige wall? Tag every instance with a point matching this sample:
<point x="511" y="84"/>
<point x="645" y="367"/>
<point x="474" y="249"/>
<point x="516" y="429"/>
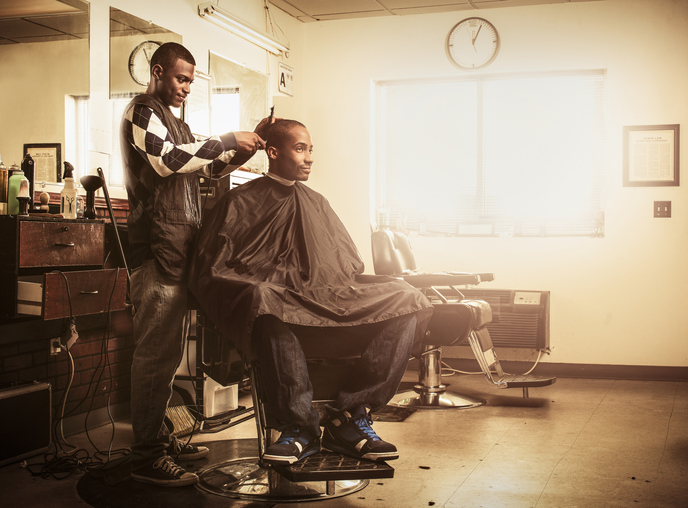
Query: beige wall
<point x="616" y="300"/>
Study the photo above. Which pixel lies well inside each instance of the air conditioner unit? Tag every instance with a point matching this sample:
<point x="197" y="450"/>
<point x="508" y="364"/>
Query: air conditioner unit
<point x="520" y="318"/>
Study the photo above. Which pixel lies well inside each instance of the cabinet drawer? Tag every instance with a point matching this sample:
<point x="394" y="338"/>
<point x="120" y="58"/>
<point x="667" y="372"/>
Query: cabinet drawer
<point x="49" y="244"/>
<point x="89" y="291"/>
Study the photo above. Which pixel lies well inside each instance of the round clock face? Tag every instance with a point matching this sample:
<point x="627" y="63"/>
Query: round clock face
<point x="139" y="61"/>
<point x="473" y="43"/>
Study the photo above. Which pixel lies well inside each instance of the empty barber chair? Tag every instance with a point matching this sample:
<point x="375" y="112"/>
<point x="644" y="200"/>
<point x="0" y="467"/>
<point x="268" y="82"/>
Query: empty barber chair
<point x="454" y="321"/>
<point x="321" y="476"/>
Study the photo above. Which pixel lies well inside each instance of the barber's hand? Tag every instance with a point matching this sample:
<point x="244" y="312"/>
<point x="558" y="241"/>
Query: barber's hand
<point x="248" y="142"/>
<point x="264" y="126"/>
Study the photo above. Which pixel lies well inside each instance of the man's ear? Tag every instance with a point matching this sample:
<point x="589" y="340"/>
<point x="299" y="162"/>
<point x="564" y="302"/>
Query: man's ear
<point x="157" y="71"/>
<point x="272" y="152"/>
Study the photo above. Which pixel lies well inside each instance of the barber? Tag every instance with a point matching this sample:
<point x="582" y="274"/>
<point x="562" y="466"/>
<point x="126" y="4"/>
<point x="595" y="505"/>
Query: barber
<point x="162" y="164"/>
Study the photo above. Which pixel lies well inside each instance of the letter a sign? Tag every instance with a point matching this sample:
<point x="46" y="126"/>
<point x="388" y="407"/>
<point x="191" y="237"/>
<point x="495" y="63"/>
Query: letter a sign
<point x="286" y="79"/>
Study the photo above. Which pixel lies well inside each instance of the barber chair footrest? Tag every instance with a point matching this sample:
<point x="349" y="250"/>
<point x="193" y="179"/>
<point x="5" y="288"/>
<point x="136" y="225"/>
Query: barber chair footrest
<point x="247" y="479"/>
<point x="327" y="466"/>
<point x="527" y="381"/>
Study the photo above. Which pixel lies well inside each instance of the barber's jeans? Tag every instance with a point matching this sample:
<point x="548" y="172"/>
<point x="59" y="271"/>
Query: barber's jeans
<point x="374" y="380"/>
<point x="160" y="307"/>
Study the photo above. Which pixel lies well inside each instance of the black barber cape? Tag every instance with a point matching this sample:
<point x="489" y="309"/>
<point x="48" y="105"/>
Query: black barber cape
<point x="270" y="248"/>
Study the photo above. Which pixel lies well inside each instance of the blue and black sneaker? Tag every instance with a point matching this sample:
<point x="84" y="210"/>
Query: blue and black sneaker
<point x="292" y="446"/>
<point x="352" y="434"/>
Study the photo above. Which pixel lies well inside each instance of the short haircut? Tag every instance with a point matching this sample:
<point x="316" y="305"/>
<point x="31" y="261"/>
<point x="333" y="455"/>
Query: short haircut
<point x="280" y="131"/>
<point x="167" y="54"/>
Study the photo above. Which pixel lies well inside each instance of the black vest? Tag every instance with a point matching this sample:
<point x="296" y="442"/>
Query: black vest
<point x="164" y="213"/>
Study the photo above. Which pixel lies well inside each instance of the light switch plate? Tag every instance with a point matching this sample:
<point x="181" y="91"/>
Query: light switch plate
<point x="662" y="208"/>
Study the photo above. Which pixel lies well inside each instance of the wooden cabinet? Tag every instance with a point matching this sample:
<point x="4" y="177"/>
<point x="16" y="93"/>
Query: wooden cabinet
<point x="52" y="268"/>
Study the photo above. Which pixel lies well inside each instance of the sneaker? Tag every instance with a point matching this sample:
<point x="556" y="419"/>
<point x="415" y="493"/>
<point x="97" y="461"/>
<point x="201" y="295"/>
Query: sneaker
<point x="352" y="434"/>
<point x="181" y="451"/>
<point x="292" y="446"/>
<point x="166" y="473"/>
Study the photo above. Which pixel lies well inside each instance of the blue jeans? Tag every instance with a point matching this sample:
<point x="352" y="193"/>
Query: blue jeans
<point x="160" y="307"/>
<point x="374" y="379"/>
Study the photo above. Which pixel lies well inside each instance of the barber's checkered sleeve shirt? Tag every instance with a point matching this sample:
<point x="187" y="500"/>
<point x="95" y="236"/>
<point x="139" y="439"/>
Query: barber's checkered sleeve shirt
<point x="146" y="133"/>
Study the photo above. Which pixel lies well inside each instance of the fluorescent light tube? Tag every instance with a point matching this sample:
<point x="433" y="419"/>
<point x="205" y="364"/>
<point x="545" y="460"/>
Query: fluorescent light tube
<point x="238" y="27"/>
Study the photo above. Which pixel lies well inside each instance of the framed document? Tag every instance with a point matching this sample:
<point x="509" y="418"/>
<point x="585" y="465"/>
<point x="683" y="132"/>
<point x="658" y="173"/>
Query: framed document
<point x="651" y="155"/>
<point x="47" y="160"/>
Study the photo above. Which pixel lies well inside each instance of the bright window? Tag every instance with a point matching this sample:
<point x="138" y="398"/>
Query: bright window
<point x="521" y="155"/>
<point x="76" y="134"/>
<point x="225" y="108"/>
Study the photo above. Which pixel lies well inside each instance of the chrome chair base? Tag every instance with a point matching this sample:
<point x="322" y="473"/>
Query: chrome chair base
<point x="444" y="400"/>
<point x="246" y="479"/>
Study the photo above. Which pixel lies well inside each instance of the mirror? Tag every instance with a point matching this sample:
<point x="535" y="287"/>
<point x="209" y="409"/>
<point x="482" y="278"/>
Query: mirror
<point x="132" y="42"/>
<point x="44" y="50"/>
<point x="130" y="36"/>
<point x="237" y="99"/>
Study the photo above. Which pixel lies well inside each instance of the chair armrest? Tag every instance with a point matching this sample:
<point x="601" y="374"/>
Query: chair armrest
<point x="441" y="279"/>
<point x="484" y="277"/>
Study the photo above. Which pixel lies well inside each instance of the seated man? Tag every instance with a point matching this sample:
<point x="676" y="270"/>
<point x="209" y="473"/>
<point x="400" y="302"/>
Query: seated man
<point x="275" y="266"/>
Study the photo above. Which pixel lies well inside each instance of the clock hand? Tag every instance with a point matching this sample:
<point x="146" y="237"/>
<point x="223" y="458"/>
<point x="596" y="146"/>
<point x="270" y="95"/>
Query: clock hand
<point x="476" y="35"/>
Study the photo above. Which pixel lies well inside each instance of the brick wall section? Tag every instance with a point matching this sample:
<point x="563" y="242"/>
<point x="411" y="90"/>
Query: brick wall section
<point x="25" y="357"/>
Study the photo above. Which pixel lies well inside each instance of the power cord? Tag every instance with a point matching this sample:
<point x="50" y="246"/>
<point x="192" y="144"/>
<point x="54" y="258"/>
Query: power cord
<point x="60" y="464"/>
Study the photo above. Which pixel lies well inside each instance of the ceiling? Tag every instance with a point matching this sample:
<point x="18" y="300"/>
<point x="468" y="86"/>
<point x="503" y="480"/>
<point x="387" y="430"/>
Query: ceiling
<point x="59" y="20"/>
<point x="42" y="20"/>
<point x="54" y="20"/>
<point x="323" y="10"/>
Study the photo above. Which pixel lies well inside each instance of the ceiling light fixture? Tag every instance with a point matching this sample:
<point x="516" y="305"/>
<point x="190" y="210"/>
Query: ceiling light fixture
<point x="238" y="27"/>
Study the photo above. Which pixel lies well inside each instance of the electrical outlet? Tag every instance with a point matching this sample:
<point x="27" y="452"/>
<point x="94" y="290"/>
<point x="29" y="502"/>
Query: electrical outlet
<point x="55" y="347"/>
<point x="662" y="208"/>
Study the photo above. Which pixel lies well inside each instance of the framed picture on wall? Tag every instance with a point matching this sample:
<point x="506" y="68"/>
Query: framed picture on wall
<point x="651" y="155"/>
<point x="47" y="159"/>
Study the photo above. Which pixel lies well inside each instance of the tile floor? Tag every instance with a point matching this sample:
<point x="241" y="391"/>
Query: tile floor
<point x="578" y="443"/>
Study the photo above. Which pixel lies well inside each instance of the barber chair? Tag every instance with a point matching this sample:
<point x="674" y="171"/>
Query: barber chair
<point x="321" y="476"/>
<point x="455" y="320"/>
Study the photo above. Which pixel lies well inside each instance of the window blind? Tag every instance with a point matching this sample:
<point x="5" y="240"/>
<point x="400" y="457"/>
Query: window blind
<point x="518" y="154"/>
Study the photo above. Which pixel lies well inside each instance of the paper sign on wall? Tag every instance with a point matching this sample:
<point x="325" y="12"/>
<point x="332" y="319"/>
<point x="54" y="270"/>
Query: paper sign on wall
<point x="286" y="79"/>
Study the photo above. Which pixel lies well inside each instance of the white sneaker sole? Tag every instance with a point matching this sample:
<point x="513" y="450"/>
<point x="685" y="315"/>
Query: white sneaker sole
<point x="181" y="482"/>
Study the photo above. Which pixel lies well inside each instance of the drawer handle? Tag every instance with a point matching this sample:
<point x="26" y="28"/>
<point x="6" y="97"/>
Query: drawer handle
<point x="60" y="244"/>
<point x="89" y="292"/>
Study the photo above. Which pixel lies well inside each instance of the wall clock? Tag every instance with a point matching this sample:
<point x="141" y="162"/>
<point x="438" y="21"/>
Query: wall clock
<point x="139" y="61"/>
<point x="472" y="44"/>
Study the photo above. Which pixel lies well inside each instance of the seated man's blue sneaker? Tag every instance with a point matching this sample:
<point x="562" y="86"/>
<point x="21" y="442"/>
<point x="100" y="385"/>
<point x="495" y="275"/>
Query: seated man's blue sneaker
<point x="292" y="446"/>
<point x="165" y="473"/>
<point x="353" y="434"/>
<point x="181" y="451"/>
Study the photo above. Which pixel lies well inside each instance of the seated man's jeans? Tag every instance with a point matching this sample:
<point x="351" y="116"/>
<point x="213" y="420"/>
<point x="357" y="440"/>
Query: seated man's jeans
<point x="160" y="307"/>
<point x="373" y="381"/>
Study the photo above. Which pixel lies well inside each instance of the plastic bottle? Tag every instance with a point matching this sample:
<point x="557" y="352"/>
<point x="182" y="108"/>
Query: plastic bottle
<point x="27" y="167"/>
<point x="13" y="192"/>
<point x="68" y="194"/>
<point x="4" y="177"/>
